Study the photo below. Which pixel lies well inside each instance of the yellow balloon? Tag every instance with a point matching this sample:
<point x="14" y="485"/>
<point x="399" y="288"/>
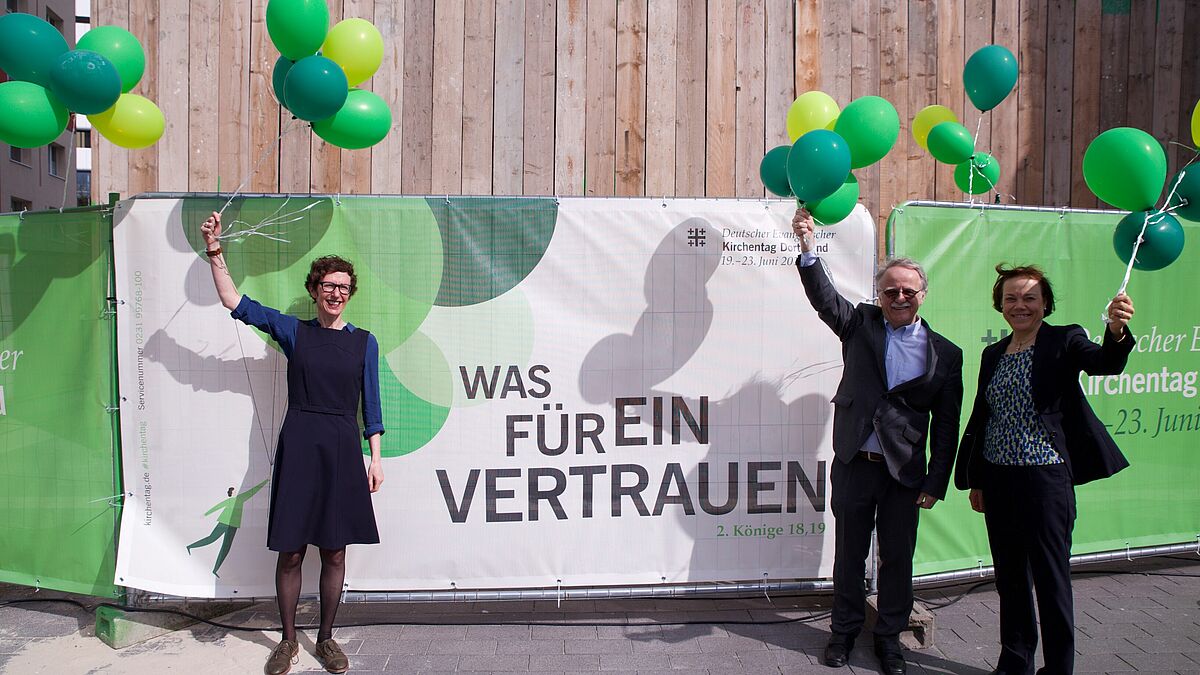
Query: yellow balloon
<point x="133" y="122"/>
<point x="1196" y="125"/>
<point x="810" y="111"/>
<point x="356" y="46"/>
<point x="927" y="119"/>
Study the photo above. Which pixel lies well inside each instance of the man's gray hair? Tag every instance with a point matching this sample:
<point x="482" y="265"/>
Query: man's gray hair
<point x="907" y="263"/>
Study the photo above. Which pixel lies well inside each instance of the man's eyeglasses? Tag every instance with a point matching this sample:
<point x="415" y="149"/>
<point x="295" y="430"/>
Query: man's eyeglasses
<point x="330" y="287"/>
<point x="893" y="293"/>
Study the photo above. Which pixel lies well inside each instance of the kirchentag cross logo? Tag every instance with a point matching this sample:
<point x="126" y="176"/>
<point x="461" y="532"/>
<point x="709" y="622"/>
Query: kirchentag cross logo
<point x="697" y="236"/>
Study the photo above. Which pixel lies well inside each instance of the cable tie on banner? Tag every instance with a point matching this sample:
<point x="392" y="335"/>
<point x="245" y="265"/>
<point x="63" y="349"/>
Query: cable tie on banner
<point x="111" y="499"/>
<point x="21" y="216"/>
<point x="1127" y="554"/>
<point x="111" y="408"/>
<point x="447" y="199"/>
<point x="558" y="593"/>
<point x="1063" y="212"/>
<point x="1198" y="544"/>
<point x="980" y="568"/>
<point x="764" y="588"/>
<point x="338" y="199"/>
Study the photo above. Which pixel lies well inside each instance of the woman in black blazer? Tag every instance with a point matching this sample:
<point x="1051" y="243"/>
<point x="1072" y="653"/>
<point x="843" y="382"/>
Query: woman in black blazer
<point x="1031" y="438"/>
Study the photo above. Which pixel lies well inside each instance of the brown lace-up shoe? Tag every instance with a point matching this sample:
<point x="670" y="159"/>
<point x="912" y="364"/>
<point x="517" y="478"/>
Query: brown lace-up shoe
<point x="332" y="657"/>
<point x="282" y="657"/>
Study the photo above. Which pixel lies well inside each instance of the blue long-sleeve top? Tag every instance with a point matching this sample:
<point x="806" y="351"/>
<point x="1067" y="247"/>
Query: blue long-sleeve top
<point x="282" y="328"/>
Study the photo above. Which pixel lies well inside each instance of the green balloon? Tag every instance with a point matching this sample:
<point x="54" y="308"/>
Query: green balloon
<point x="834" y="208"/>
<point x="29" y="47"/>
<point x="315" y="88"/>
<point x="1161" y="244"/>
<point x="1126" y="168"/>
<point x="951" y="143"/>
<point x="86" y="82"/>
<point x="1186" y="197"/>
<point x="978" y="174"/>
<point x="870" y="126"/>
<point x="773" y="171"/>
<point x="989" y="75"/>
<point x="817" y="165"/>
<point x="279" y="74"/>
<point x="362" y="122"/>
<point x="297" y="27"/>
<point x="30" y="116"/>
<point x="122" y="48"/>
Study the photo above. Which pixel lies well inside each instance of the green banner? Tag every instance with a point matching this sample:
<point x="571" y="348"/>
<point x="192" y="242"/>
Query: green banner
<point x="57" y="481"/>
<point x="1151" y="410"/>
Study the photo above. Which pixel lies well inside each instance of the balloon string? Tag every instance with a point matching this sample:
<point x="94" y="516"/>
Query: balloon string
<point x="1137" y="243"/>
<point x="67" y="175"/>
<point x="289" y="127"/>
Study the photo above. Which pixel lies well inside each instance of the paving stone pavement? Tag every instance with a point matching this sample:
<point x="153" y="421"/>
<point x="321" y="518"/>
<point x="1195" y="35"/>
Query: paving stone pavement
<point x="1140" y="616"/>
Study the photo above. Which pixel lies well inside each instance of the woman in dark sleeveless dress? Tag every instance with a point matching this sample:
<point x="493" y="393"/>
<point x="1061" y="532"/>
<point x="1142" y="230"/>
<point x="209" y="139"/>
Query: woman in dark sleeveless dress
<point x="320" y="492"/>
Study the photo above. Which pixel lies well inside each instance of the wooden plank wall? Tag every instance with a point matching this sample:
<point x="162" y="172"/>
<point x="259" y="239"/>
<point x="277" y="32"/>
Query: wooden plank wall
<point x="653" y="97"/>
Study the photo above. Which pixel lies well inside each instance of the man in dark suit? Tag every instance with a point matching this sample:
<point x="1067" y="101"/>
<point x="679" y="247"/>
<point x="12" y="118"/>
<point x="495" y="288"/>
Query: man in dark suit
<point x="901" y="388"/>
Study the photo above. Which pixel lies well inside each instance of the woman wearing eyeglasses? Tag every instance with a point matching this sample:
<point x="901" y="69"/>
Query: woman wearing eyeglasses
<point x="320" y="492"/>
<point x="1031" y="438"/>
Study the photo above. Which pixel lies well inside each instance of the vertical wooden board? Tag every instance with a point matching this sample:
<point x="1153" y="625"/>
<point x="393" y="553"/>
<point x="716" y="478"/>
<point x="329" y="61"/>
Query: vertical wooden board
<point x="1085" y="99"/>
<point x="1059" y="57"/>
<point x="325" y="174"/>
<point x="950" y="92"/>
<point x="1168" y="61"/>
<point x="600" y="123"/>
<point x="1005" y="138"/>
<point x="661" y="20"/>
<point x="690" y="113"/>
<point x="143" y="23"/>
<point x="356" y="164"/>
<point x="569" y="97"/>
<point x="448" y="48"/>
<point x="781" y="69"/>
<point x="416" y="161"/>
<point x="721" y="98"/>
<point x="110" y="163"/>
<point x="922" y="92"/>
<point x="172" y="97"/>
<point x="809" y="31"/>
<point x="233" y="89"/>
<point x="631" y="98"/>
<point x="864" y="81"/>
<point x="835" y="51"/>
<point x="893" y="86"/>
<point x="750" y="135"/>
<point x="537" y="154"/>
<point x="479" y="39"/>
<point x="264" y="110"/>
<point x="977" y="33"/>
<point x="1143" y="17"/>
<point x="204" y="49"/>
<point x="1031" y="103"/>
<point x="1114" y="68"/>
<point x="388" y="84"/>
<point x="508" y="124"/>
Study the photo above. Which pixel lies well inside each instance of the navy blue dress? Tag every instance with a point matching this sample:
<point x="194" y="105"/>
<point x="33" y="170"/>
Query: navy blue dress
<point x="319" y="490"/>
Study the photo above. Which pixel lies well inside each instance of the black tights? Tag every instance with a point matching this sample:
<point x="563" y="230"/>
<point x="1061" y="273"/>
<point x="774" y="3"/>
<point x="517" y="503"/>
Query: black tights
<point x="287" y="588"/>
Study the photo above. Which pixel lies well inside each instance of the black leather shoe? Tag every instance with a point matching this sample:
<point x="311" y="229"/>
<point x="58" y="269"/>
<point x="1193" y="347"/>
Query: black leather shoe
<point x="891" y="658"/>
<point x="837" y="652"/>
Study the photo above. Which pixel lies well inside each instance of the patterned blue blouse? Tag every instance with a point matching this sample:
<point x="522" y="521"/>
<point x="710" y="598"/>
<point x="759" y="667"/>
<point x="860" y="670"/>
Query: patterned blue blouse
<point x="282" y="327"/>
<point x="1015" y="434"/>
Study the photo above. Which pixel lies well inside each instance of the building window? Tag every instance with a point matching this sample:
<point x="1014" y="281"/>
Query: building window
<point x="83" y="138"/>
<point x="14" y="5"/>
<point x="19" y="204"/>
<point x="19" y="155"/>
<point x="57" y="156"/>
<point x="54" y="20"/>
<point x="83" y="188"/>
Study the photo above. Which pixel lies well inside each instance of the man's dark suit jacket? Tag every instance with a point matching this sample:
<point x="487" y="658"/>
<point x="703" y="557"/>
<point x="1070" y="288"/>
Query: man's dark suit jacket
<point x="1059" y="354"/>
<point x="901" y="416"/>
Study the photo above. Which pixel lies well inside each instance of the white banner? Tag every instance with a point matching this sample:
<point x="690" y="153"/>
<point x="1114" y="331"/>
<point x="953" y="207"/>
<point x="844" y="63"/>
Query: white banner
<point x="577" y="392"/>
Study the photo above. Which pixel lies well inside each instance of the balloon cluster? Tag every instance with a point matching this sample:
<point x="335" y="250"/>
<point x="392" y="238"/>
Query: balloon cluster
<point x="1127" y="168"/>
<point x="319" y="67"/>
<point x="826" y="144"/>
<point x="988" y="77"/>
<point x="49" y="81"/>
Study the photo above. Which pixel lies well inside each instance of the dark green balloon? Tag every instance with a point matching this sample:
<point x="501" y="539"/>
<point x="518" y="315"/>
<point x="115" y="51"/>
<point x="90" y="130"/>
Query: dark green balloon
<point x="297" y="27"/>
<point x="315" y="88"/>
<point x="773" y="171"/>
<point x="29" y="46"/>
<point x="817" y="165"/>
<point x="989" y="75"/>
<point x="1186" y="200"/>
<point x="30" y="116"/>
<point x="279" y="75"/>
<point x="122" y="48"/>
<point x="362" y="122"/>
<point x="951" y="143"/>
<point x="86" y="82"/>
<point x="978" y="174"/>
<point x="834" y="208"/>
<point x="1161" y="245"/>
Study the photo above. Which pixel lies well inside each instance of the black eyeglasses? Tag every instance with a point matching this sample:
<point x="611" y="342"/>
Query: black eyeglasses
<point x="893" y="293"/>
<point x="330" y="287"/>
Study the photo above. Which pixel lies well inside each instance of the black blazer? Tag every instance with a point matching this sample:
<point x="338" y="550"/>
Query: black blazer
<point x="924" y="409"/>
<point x="1059" y="354"/>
